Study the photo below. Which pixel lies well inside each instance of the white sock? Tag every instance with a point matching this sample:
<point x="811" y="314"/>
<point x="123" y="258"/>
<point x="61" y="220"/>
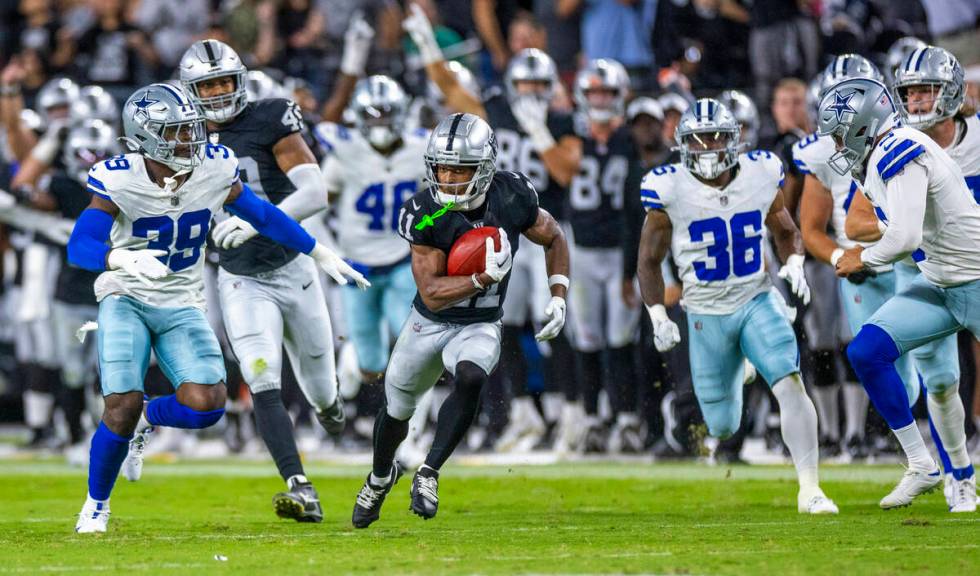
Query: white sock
<point x="855" y="410"/>
<point x="949" y="419"/>
<point x="826" y="404"/>
<point x="798" y="423"/>
<point x="375" y="481"/>
<point x="92" y="502"/>
<point x="915" y="448"/>
<point x="296" y="479"/>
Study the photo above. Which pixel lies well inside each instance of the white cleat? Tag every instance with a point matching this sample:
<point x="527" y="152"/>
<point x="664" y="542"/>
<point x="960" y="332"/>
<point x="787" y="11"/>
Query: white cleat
<point x="913" y="483"/>
<point x="962" y="494"/>
<point x="816" y="504"/>
<point x="132" y="466"/>
<point x="94" y="517"/>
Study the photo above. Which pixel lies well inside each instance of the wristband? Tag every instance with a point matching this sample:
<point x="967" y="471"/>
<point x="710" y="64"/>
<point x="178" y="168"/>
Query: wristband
<point x="10" y="90"/>
<point x="476" y="282"/>
<point x="657" y="313"/>
<point x="558" y="279"/>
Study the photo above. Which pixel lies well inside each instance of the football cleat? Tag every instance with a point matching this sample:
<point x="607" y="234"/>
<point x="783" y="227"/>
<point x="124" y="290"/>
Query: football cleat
<point x="367" y="507"/>
<point x="301" y="503"/>
<point x="425" y="493"/>
<point x="94" y="517"/>
<point x="913" y="483"/>
<point x="962" y="496"/>
<point x="816" y="504"/>
<point x="332" y="417"/>
<point x="132" y="466"/>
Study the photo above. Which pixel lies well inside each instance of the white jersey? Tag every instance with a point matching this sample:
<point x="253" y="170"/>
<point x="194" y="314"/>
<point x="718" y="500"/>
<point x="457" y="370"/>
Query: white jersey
<point x="371" y="190"/>
<point x="966" y="153"/>
<point x="951" y="228"/>
<point x="153" y="218"/>
<point x="810" y="156"/>
<point x="719" y="235"/>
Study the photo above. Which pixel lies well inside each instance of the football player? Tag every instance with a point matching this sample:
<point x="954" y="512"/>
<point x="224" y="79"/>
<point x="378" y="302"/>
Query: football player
<point x="145" y="230"/>
<point x="270" y="298"/>
<point x="455" y="321"/>
<point x="711" y="210"/>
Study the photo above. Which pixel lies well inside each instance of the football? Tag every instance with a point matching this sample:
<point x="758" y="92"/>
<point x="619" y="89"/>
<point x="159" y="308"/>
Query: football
<point x="468" y="254"/>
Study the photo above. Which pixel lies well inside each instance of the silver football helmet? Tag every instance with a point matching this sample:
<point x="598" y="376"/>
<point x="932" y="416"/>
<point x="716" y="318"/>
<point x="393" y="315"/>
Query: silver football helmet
<point x="379" y="108"/>
<point x="462" y="140"/>
<point x="708" y="138"/>
<point x="846" y="67"/>
<point x="898" y="53"/>
<point x="56" y="93"/>
<point x="88" y="142"/>
<point x="531" y="65"/>
<point x="95" y="103"/>
<point x="602" y="74"/>
<point x="854" y="113"/>
<point x="940" y="73"/>
<point x="746" y="114"/>
<point x="162" y="123"/>
<point x="207" y="59"/>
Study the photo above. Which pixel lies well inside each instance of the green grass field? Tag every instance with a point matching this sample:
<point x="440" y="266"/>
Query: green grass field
<point x="679" y="519"/>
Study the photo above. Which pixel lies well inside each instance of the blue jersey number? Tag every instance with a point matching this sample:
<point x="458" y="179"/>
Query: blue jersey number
<point x="745" y="241"/>
<point x="372" y="203"/>
<point x="192" y="231"/>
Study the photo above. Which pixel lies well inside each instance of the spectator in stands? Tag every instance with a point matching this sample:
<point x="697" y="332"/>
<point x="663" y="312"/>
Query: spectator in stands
<point x="621" y="30"/>
<point x="792" y="123"/>
<point x="562" y="27"/>
<point x="173" y="26"/>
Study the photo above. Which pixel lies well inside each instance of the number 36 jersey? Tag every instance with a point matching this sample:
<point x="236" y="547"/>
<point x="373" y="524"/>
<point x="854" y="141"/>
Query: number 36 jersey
<point x="719" y="235"/>
<point x="157" y="219"/>
<point x="372" y="189"/>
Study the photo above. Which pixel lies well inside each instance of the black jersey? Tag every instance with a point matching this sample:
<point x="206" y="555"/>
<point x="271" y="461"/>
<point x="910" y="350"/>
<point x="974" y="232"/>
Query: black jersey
<point x="251" y="136"/>
<point x="608" y="175"/>
<point x="511" y="204"/>
<point x="515" y="152"/>
<point x="74" y="284"/>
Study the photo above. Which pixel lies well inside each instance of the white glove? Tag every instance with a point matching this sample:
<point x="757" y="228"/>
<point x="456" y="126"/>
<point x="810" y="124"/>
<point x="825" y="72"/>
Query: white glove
<point x="792" y="272"/>
<point x="788" y="310"/>
<point x="420" y="29"/>
<point x="666" y="334"/>
<point x="357" y="46"/>
<point x="498" y="263"/>
<point x="140" y="264"/>
<point x="232" y="233"/>
<point x="531" y="113"/>
<point x="336" y="268"/>
<point x="555" y="310"/>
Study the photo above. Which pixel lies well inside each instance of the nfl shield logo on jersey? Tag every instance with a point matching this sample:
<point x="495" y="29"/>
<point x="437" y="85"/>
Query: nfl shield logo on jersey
<point x="698" y="325"/>
<point x="724" y="201"/>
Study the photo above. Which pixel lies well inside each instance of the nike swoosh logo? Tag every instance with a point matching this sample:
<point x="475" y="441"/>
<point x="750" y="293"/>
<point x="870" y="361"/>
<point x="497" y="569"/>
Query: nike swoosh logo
<point x="414" y="205"/>
<point x="307" y="285"/>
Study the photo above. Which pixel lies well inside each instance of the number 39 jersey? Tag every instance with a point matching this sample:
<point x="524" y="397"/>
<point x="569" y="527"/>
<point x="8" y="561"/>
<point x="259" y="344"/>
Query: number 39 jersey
<point x="372" y="188"/>
<point x="719" y="235"/>
<point x="157" y="219"/>
<point x="252" y="135"/>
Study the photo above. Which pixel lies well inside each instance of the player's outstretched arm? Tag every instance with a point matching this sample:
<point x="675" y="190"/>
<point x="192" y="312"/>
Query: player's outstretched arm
<point x="437" y="290"/>
<point x="457" y="98"/>
<point x="654" y="243"/>
<point x="357" y="48"/>
<point x="862" y="224"/>
<point x="546" y="232"/>
<point x="276" y="225"/>
<point x="789" y="244"/>
<point x="816" y="208"/>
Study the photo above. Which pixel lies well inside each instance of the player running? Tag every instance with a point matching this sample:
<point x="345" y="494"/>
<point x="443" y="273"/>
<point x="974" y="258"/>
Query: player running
<point x="710" y="211"/>
<point x="455" y="324"/>
<point x="145" y="229"/>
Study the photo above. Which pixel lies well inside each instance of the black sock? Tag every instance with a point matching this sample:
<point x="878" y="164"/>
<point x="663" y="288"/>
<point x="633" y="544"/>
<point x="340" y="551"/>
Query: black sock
<point x="513" y="364"/>
<point x="389" y="432"/>
<point x="560" y="368"/>
<point x="621" y="379"/>
<point x="72" y="403"/>
<point x="457" y="412"/>
<point x="276" y="430"/>
<point x="591" y="363"/>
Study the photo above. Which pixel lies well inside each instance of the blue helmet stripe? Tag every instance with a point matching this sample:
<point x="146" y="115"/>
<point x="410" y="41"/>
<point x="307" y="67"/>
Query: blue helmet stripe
<point x="918" y="61"/>
<point x="175" y="93"/>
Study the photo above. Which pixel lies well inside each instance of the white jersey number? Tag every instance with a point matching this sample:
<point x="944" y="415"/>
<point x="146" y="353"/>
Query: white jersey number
<point x="588" y="185"/>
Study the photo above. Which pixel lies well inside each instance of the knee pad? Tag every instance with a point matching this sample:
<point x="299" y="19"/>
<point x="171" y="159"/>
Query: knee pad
<point x="871" y="349"/>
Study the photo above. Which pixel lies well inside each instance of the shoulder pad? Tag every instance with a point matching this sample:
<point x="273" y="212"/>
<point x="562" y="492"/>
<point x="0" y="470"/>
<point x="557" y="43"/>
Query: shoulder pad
<point x="108" y="175"/>
<point x="657" y="185"/>
<point x="897" y="152"/>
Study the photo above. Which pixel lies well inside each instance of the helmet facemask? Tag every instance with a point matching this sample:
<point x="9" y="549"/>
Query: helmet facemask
<point x="925" y="99"/>
<point x="465" y="195"/>
<point x="846" y="160"/>
<point x="710" y="153"/>
<point x="180" y="145"/>
<point x="381" y="126"/>
<point x="222" y="107"/>
<point x="603" y="104"/>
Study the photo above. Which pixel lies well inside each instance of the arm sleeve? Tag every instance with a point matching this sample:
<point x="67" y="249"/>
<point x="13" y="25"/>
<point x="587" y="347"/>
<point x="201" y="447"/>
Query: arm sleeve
<point x="310" y="195"/>
<point x="906" y="198"/>
<point x="270" y="221"/>
<point x="88" y="245"/>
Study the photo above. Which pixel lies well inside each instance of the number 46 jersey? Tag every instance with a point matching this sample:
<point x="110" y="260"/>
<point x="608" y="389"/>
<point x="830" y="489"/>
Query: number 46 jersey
<point x="372" y="189"/>
<point x="719" y="235"/>
<point x="157" y="219"/>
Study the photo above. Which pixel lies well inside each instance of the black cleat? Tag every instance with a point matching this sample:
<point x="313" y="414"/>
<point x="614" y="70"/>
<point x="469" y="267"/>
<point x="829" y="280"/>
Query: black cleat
<point x="332" y="418"/>
<point x="301" y="503"/>
<point x="367" y="507"/>
<point x="425" y="493"/>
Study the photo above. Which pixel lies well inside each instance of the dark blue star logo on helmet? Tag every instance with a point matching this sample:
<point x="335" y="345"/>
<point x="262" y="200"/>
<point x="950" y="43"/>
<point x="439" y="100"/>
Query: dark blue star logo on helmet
<point x="841" y="105"/>
<point x="145" y="101"/>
